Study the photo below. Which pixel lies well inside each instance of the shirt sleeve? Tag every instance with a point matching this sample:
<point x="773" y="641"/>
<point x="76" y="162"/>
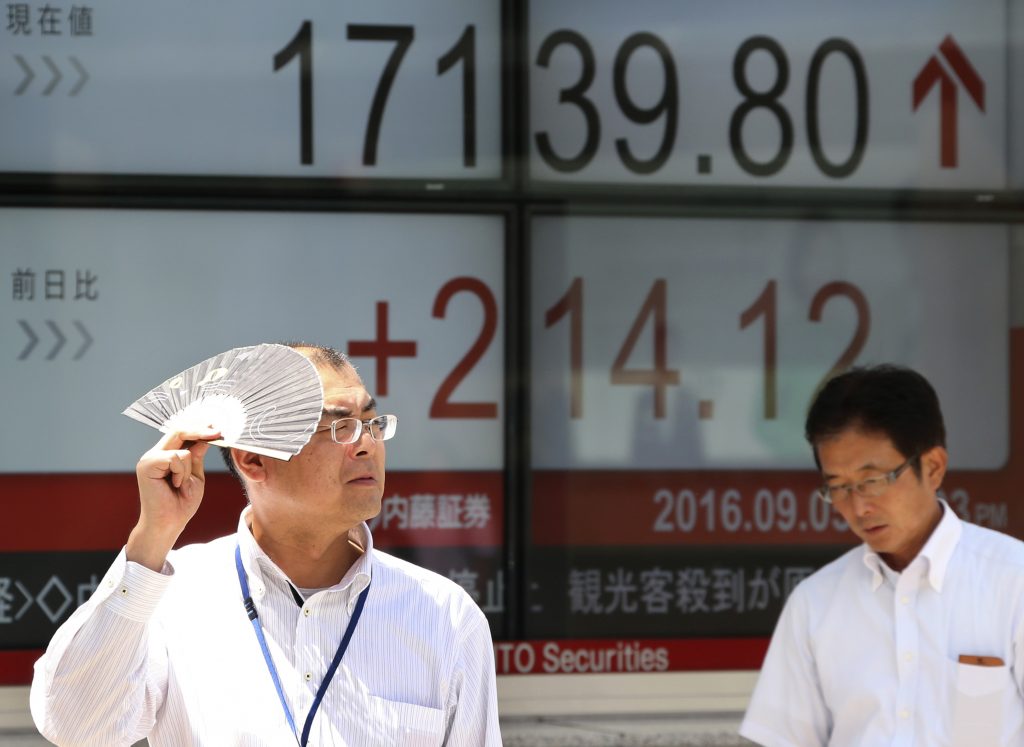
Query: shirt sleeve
<point x="103" y="677"/>
<point x="787" y="708"/>
<point x="473" y="698"/>
<point x="1018" y="652"/>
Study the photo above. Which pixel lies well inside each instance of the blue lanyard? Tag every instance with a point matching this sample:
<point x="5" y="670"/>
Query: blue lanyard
<point x="250" y="610"/>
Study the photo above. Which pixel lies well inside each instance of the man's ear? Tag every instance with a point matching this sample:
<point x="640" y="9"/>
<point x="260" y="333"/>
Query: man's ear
<point x="933" y="467"/>
<point x="253" y="467"/>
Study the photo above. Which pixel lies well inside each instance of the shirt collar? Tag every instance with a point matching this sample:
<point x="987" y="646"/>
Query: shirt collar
<point x="257" y="563"/>
<point x="937" y="551"/>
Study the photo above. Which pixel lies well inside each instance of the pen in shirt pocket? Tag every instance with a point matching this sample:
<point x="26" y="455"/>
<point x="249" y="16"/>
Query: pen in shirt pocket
<point x="981" y="661"/>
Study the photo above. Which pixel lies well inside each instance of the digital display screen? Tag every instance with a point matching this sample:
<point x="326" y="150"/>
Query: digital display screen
<point x="672" y="364"/>
<point x="385" y="90"/>
<point x="873" y="94"/>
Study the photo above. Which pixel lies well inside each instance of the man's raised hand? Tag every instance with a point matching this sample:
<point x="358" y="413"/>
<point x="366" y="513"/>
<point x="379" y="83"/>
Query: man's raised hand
<point x="171" y="485"/>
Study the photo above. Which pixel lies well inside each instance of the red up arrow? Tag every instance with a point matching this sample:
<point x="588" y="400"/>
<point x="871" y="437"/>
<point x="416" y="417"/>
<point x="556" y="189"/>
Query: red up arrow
<point x="933" y="72"/>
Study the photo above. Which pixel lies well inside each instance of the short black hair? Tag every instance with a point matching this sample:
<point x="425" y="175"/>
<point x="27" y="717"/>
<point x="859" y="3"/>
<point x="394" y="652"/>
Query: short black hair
<point x="895" y="401"/>
<point x="321" y="356"/>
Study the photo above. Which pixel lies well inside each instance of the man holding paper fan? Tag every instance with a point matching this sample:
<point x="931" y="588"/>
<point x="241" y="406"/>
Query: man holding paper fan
<point x="294" y="629"/>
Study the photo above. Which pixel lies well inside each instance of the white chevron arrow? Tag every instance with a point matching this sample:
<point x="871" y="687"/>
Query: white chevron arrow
<point x="56" y="76"/>
<point x="83" y="77"/>
<point x="29" y="75"/>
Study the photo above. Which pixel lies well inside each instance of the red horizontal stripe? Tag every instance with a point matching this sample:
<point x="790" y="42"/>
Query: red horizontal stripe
<point x="63" y="512"/>
<point x="96" y="511"/>
<point x="549" y="656"/>
<point x="615" y="655"/>
<point x="614" y="508"/>
<point x="627" y="508"/>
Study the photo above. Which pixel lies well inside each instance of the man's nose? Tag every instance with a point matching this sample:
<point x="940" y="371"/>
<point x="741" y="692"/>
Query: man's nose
<point x="365" y="445"/>
<point x="862" y="505"/>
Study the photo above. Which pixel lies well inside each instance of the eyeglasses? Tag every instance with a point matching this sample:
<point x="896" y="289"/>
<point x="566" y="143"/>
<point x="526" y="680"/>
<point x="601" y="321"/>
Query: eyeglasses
<point x="869" y="488"/>
<point x="349" y="430"/>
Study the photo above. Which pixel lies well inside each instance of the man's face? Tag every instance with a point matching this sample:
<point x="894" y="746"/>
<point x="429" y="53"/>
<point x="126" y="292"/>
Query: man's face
<point x="897" y="523"/>
<point x="330" y="483"/>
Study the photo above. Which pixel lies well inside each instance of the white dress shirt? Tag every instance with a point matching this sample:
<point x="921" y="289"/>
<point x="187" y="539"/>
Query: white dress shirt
<point x="863" y="655"/>
<point x="174" y="657"/>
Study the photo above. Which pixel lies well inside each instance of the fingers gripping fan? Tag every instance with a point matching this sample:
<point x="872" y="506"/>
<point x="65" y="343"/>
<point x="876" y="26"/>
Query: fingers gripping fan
<point x="264" y="398"/>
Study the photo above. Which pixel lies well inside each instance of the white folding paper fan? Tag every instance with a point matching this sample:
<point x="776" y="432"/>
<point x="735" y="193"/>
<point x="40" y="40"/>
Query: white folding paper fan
<point x="263" y="398"/>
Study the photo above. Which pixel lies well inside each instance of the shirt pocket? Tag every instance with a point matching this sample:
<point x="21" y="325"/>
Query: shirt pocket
<point x="406" y="725"/>
<point x="978" y="704"/>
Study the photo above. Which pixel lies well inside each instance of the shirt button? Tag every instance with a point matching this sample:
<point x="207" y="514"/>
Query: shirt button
<point x="908" y="657"/>
<point x="904" y="714"/>
<point x="905" y="600"/>
<point x="306" y="611"/>
<point x="308" y="676"/>
<point x="124" y="591"/>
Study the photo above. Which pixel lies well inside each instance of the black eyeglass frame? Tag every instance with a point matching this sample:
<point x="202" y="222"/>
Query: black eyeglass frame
<point x="872" y="487"/>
